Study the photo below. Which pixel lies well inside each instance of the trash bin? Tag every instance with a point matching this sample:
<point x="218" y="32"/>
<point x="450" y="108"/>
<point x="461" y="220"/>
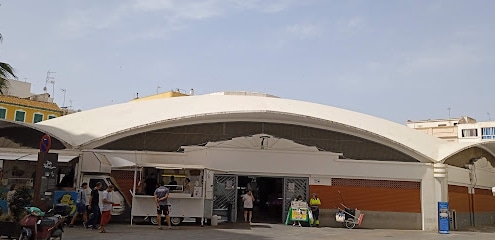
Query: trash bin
<point x="214" y="220"/>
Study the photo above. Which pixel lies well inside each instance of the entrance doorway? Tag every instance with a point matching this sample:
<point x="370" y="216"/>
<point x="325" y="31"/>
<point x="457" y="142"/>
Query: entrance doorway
<point x="268" y="193"/>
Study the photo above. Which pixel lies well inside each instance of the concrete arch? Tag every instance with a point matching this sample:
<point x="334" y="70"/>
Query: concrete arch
<point x="464" y="154"/>
<point x="122" y="120"/>
<point x="24" y="135"/>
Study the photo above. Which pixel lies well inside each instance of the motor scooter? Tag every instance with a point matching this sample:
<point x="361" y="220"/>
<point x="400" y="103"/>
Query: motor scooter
<point x="37" y="226"/>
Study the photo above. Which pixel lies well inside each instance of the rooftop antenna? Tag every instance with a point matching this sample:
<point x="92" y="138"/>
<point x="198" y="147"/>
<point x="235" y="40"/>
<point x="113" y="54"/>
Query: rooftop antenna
<point x="489" y="118"/>
<point x="48" y="79"/>
<point x="63" y="90"/>
<point x="448" y="109"/>
<point x="157" y="87"/>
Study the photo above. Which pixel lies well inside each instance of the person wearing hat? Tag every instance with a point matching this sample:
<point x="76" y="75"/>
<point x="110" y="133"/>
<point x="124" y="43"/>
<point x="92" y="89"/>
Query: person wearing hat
<point x="315" y="203"/>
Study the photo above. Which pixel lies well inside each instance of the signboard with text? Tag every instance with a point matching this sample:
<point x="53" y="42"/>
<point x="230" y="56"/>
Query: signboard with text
<point x="46" y="179"/>
<point x="443" y="217"/>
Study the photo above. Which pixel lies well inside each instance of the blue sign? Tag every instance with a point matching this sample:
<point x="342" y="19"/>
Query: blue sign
<point x="443" y="217"/>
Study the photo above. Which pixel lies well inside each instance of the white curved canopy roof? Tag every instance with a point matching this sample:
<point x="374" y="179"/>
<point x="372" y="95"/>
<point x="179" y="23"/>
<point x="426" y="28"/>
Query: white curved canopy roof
<point x="92" y="128"/>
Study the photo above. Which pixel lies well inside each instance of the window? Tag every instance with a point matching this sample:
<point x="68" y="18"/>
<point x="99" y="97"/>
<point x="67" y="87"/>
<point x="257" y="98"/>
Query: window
<point x="38" y="117"/>
<point x="20" y="116"/>
<point x="488" y="133"/>
<point x="3" y="113"/>
<point x="51" y="116"/>
<point x="470" y="132"/>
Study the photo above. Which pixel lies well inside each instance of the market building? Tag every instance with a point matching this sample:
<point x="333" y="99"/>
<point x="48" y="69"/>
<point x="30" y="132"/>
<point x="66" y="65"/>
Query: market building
<point x="282" y="148"/>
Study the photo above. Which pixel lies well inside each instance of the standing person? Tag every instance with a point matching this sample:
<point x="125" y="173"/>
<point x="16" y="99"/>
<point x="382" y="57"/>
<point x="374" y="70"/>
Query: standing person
<point x="187" y="186"/>
<point x="248" y="200"/>
<point x="81" y="205"/>
<point x="150" y="184"/>
<point x="107" y="200"/>
<point x="94" y="206"/>
<point x="10" y="196"/>
<point x="88" y="195"/>
<point x="172" y="183"/>
<point x="161" y="200"/>
<point x="315" y="203"/>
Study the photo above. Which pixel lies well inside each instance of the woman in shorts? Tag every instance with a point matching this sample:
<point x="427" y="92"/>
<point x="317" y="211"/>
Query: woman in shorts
<point x="248" y="200"/>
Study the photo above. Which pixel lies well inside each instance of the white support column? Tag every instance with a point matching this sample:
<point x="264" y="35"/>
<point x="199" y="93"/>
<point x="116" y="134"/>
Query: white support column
<point x="434" y="189"/>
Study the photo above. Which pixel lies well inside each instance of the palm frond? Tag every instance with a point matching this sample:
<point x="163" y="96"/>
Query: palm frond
<point x="6" y="73"/>
<point x="4" y="85"/>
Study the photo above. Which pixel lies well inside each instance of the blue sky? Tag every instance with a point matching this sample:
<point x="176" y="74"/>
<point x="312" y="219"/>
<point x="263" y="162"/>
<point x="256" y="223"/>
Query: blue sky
<point x="396" y="60"/>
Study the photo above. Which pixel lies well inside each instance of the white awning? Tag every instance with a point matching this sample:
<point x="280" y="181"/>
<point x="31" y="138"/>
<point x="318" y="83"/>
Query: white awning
<point x="32" y="157"/>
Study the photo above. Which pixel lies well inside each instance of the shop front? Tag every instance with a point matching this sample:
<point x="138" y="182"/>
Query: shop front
<point x="272" y="194"/>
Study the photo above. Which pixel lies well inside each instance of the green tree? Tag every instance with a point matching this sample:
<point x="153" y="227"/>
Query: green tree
<point x="6" y="72"/>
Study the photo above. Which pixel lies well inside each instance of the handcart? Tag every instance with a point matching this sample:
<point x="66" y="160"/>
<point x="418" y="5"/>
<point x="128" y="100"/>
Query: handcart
<point x="349" y="217"/>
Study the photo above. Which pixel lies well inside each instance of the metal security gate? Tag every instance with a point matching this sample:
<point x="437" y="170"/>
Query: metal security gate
<point x="225" y="197"/>
<point x="294" y="187"/>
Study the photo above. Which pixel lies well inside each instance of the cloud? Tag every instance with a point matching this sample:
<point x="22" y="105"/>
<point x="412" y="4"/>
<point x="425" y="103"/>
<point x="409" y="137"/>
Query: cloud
<point x="181" y="10"/>
<point x="443" y="59"/>
<point x="304" y="31"/>
<point x="351" y="25"/>
<point x="416" y="68"/>
<point x="170" y="15"/>
<point x="272" y="6"/>
<point x="81" y="22"/>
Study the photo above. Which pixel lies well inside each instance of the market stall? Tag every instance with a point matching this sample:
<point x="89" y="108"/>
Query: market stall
<point x="183" y="204"/>
<point x="298" y="212"/>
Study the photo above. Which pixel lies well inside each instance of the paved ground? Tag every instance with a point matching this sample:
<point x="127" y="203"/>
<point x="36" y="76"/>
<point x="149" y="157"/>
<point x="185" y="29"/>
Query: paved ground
<point x="267" y="231"/>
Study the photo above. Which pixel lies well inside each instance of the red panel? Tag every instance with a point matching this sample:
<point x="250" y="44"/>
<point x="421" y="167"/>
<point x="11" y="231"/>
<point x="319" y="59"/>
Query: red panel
<point x="484" y="201"/>
<point x="459" y="199"/>
<point x="369" y="198"/>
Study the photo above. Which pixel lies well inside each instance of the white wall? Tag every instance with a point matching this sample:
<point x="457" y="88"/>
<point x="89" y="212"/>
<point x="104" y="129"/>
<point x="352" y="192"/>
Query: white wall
<point x="484" y="178"/>
<point x="458" y="176"/>
<point x="482" y="175"/>
<point x="19" y="89"/>
<point x="319" y="167"/>
<point x="267" y="162"/>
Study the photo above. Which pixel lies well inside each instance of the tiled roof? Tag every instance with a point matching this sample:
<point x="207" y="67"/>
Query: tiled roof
<point x="29" y="103"/>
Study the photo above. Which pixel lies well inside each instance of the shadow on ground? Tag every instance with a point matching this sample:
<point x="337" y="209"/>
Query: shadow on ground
<point x="484" y="228"/>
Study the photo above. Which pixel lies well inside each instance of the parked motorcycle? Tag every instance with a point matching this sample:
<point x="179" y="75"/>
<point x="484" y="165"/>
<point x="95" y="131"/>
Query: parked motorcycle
<point x="37" y="226"/>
